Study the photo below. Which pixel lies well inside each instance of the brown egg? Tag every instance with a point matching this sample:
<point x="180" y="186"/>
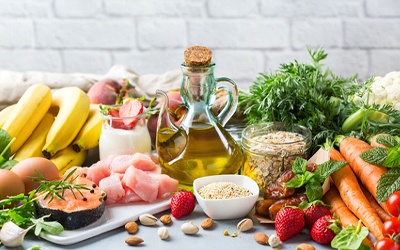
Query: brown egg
<point x="29" y="168"/>
<point x="10" y="184"/>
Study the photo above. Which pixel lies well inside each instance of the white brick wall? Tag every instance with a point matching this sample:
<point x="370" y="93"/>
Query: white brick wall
<point x="247" y="37"/>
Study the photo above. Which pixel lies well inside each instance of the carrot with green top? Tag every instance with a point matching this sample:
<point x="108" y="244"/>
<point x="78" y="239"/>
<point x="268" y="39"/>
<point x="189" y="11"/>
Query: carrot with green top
<point x="350" y="192"/>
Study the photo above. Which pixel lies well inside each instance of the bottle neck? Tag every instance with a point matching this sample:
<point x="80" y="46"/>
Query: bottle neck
<point x="198" y="92"/>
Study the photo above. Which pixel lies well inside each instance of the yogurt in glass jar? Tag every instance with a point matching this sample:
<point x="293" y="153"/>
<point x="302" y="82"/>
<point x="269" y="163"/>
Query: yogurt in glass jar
<point x="117" y="138"/>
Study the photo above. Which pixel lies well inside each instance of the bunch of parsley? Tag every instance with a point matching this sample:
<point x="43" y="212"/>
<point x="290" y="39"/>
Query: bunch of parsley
<point x="300" y="93"/>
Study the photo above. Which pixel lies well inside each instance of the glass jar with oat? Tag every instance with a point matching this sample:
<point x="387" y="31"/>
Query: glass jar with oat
<point x="271" y="148"/>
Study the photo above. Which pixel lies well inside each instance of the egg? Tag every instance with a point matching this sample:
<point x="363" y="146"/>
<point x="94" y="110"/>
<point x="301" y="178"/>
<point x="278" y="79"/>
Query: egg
<point x="10" y="184"/>
<point x="29" y="168"/>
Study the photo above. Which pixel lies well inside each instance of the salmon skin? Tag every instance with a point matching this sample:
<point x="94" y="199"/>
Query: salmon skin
<point x="76" y="210"/>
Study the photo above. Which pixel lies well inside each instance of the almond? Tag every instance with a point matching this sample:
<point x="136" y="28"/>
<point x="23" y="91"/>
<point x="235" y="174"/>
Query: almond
<point x="131" y="227"/>
<point x="133" y="241"/>
<point x="261" y="238"/>
<point x="207" y="223"/>
<point x="305" y="246"/>
<point x="165" y="219"/>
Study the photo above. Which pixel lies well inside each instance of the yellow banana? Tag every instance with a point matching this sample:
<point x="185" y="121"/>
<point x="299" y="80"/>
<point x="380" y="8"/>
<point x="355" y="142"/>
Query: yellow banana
<point x="68" y="158"/>
<point x="33" y="146"/>
<point x="5" y="113"/>
<point x="89" y="134"/>
<point x="27" y="114"/>
<point x="74" y="105"/>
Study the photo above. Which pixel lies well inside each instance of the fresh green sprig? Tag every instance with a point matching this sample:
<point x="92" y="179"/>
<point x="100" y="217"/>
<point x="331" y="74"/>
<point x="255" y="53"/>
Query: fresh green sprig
<point x="389" y="158"/>
<point x="21" y="210"/>
<point x="5" y="150"/>
<point x="350" y="238"/>
<point x="302" y="93"/>
<point x="56" y="189"/>
<point x="312" y="180"/>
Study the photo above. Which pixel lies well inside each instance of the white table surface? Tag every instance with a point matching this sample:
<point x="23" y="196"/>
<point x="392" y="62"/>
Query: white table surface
<point x="204" y="239"/>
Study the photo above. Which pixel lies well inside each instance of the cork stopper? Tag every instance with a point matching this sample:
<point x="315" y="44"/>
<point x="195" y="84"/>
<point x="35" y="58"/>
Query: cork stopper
<point x="197" y="56"/>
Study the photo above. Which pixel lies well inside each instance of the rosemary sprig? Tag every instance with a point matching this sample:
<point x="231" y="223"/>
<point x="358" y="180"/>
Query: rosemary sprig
<point x="56" y="189"/>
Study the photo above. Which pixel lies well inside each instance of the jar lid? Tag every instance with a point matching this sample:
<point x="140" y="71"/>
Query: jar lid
<point x="276" y="138"/>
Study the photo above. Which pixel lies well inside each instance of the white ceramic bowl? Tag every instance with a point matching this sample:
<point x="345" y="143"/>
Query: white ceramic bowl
<point x="224" y="209"/>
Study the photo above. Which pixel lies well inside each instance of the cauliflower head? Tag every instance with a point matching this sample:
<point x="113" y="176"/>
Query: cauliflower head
<point x="385" y="90"/>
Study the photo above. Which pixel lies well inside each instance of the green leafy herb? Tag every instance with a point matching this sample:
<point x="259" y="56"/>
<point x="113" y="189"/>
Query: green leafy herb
<point x="302" y="93"/>
<point x="393" y="158"/>
<point x="389" y="158"/>
<point x="387" y="140"/>
<point x="313" y="180"/>
<point x="376" y="156"/>
<point x="5" y="150"/>
<point x="388" y="184"/>
<point x="350" y="238"/>
<point x="51" y="227"/>
<point x="56" y="189"/>
<point x="24" y="214"/>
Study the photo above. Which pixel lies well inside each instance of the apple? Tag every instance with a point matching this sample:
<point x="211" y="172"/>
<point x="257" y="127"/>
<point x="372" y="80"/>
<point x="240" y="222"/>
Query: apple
<point x="104" y="91"/>
<point x="176" y="109"/>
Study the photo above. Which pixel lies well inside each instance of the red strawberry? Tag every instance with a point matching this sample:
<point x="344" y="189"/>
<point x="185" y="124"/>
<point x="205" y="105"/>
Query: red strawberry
<point x="288" y="222"/>
<point x="182" y="203"/>
<point x="313" y="211"/>
<point x="115" y="122"/>
<point x="130" y="109"/>
<point x="324" y="229"/>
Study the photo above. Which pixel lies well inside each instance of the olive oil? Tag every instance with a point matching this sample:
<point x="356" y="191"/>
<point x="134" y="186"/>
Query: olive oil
<point x="199" y="151"/>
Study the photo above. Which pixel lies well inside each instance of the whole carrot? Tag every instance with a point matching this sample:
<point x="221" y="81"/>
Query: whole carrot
<point x="338" y="207"/>
<point x="378" y="209"/>
<point x="352" y="195"/>
<point x="332" y="198"/>
<point x="369" y="174"/>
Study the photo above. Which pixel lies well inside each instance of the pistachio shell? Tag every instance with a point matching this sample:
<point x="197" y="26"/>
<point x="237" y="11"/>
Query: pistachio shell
<point x="162" y="233"/>
<point x="245" y="225"/>
<point x="189" y="228"/>
<point x="148" y="220"/>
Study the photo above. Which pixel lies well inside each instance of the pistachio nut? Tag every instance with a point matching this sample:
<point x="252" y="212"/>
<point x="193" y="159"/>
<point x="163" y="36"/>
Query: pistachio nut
<point x="245" y="225"/>
<point x="148" y="220"/>
<point x="189" y="228"/>
<point x="162" y="233"/>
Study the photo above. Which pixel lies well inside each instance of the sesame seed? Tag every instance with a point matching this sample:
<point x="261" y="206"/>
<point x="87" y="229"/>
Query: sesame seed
<point x="223" y="190"/>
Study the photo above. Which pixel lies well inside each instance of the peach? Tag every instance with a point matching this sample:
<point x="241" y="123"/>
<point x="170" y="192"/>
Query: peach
<point x="177" y="112"/>
<point x="128" y="90"/>
<point x="104" y="92"/>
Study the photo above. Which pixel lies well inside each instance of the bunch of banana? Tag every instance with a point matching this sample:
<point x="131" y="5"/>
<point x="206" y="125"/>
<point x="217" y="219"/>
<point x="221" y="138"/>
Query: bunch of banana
<point x="27" y="114"/>
<point x="89" y="135"/>
<point x="73" y="109"/>
<point x="61" y="126"/>
<point x="33" y="146"/>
